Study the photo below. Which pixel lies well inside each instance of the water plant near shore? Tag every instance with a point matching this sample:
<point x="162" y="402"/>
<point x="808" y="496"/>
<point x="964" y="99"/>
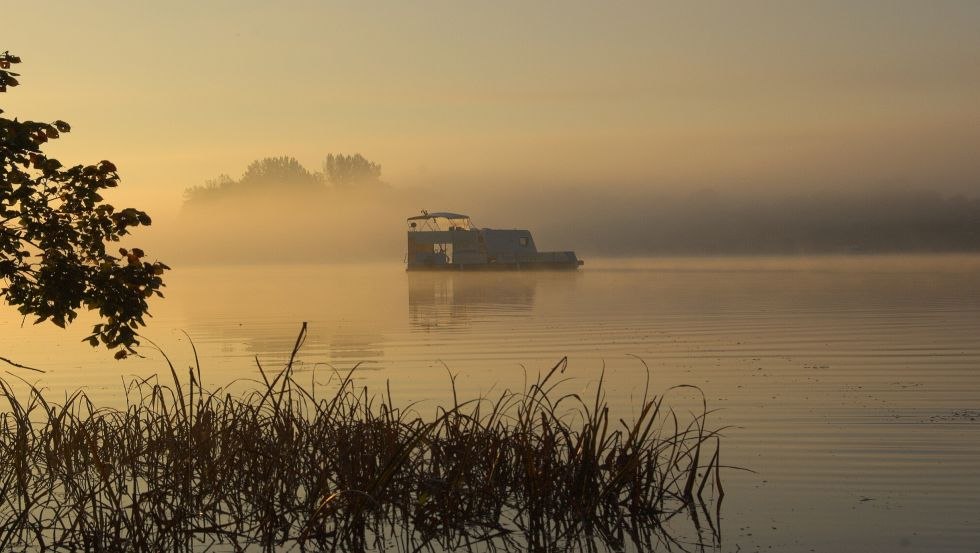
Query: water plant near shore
<point x="284" y="467"/>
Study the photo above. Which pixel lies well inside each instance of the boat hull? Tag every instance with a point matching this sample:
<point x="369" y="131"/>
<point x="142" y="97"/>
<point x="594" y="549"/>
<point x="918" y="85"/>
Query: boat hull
<point x="525" y="266"/>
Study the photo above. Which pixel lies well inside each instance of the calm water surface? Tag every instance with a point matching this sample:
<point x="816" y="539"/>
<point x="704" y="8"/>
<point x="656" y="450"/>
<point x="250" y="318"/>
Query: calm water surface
<point x="852" y="385"/>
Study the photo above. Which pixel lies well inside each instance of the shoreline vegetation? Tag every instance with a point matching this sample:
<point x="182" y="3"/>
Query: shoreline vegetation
<point x="332" y="467"/>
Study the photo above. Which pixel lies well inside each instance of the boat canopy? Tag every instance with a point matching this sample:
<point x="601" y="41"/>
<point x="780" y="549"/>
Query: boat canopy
<point x="439" y="221"/>
<point x="439" y="214"/>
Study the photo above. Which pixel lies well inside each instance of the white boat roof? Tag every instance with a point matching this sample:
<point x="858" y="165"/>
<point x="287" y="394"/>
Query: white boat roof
<point x="442" y="214"/>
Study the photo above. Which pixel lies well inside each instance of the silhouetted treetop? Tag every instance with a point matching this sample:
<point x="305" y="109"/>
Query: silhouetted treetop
<point x="284" y="172"/>
<point x="350" y="170"/>
<point x="55" y="229"/>
<point x="266" y="176"/>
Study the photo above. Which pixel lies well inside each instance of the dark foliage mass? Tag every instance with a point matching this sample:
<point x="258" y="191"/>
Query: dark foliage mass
<point x="184" y="468"/>
<point x="55" y="229"/>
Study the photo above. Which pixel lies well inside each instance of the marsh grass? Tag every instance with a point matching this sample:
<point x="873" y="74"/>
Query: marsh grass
<point x="287" y="467"/>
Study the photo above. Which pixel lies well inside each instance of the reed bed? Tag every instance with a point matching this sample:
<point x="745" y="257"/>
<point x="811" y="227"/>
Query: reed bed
<point x="289" y="467"/>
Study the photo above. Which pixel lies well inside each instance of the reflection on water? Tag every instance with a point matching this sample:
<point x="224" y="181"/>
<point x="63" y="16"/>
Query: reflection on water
<point x="851" y="384"/>
<point x="446" y="299"/>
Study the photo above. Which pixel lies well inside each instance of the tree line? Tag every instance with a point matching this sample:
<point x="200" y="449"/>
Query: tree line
<point x="285" y="175"/>
<point x="741" y="222"/>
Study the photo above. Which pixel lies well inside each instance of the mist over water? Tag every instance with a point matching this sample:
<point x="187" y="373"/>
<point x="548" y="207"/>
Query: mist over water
<point x="368" y="224"/>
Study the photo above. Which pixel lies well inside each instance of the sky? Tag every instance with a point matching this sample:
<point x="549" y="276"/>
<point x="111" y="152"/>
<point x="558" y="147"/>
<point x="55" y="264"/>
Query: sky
<point x="682" y="94"/>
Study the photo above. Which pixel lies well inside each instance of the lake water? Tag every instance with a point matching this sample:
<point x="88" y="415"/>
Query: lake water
<point x="851" y="384"/>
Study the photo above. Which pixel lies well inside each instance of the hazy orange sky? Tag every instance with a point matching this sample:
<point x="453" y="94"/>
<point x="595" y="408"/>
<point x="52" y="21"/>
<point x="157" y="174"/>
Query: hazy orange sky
<point x="706" y="93"/>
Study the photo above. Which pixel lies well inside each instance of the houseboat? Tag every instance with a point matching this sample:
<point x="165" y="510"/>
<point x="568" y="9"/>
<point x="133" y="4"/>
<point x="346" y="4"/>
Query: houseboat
<point x="450" y="241"/>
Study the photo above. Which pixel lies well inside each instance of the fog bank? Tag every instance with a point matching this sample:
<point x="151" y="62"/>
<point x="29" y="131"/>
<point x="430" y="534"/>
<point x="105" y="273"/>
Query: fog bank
<point x="336" y="225"/>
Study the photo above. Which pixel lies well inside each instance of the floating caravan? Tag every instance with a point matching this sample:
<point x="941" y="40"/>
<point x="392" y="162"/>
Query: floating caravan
<point x="449" y="241"/>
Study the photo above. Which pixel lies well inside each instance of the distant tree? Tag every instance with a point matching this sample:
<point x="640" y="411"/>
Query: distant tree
<point x="345" y="171"/>
<point x="266" y="176"/>
<point x="211" y="188"/>
<point x="280" y="172"/>
<point x="55" y="229"/>
<point x="275" y="175"/>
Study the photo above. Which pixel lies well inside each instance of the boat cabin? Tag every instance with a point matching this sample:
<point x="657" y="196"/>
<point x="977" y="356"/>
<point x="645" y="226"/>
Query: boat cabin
<point x="444" y="240"/>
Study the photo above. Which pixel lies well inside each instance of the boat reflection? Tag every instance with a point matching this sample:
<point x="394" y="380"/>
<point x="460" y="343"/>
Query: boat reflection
<point x="448" y="299"/>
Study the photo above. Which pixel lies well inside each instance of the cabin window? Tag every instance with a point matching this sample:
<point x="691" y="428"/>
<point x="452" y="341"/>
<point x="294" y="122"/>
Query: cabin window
<point x="524" y="241"/>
